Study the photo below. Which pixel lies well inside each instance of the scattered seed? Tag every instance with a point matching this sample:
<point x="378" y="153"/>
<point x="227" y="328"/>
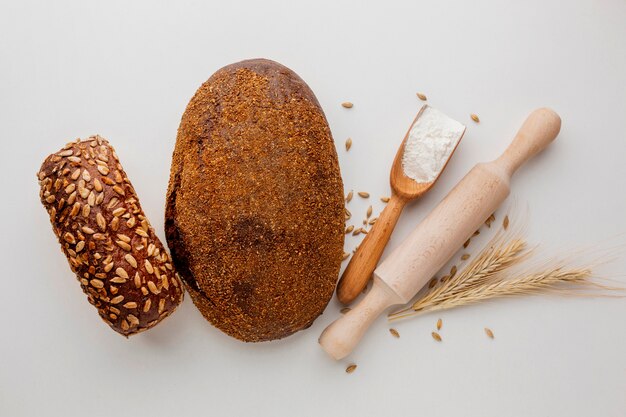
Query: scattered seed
<point x="350" y="368"/>
<point x="432" y="282"/>
<point x="489" y="220"/>
<point x="475" y="118"/>
<point x="444" y="278"/>
<point x="465" y="256"/>
<point x="488" y="332"/>
<point x="369" y="212"/>
<point x="348" y="214"/>
<point x="363" y="194"/>
<point x="384" y="199"/>
<point x="466" y="244"/>
<point x="364" y="231"/>
<point x="421" y="96"/>
<point x="345" y="310"/>
<point x="436" y="336"/>
<point x="372" y="221"/>
<point x="394" y="333"/>
<point x="476" y="233"/>
<point x="349" y="196"/>
<point x="356" y="232"/>
<point x="347" y="104"/>
<point x="453" y="271"/>
<point x="348" y="144"/>
<point x="505" y="222"/>
<point x="439" y="324"/>
<point x="349" y="229"/>
<point x="345" y="256"/>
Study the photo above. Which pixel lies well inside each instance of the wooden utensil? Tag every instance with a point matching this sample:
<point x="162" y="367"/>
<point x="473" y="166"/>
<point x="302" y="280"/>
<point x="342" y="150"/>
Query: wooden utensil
<point x="441" y="233"/>
<point x="403" y="189"/>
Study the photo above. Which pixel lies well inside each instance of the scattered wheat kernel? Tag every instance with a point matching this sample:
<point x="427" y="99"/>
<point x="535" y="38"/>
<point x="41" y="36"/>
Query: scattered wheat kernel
<point x="476" y="233"/>
<point x="349" y="196"/>
<point x="421" y="96"/>
<point x="475" y="118"/>
<point x="466" y="244"/>
<point x="465" y="256"/>
<point x="444" y="278"/>
<point x="394" y="333"/>
<point x="350" y="368"/>
<point x="364" y="231"/>
<point x="384" y="199"/>
<point x="436" y="336"/>
<point x="488" y="332"/>
<point x="345" y="310"/>
<point x="348" y="144"/>
<point x="347" y="104"/>
<point x="346" y="255"/>
<point x="432" y="282"/>
<point x="356" y="231"/>
<point x="369" y="212"/>
<point x="439" y="324"/>
<point x="453" y="271"/>
<point x="349" y="229"/>
<point x="372" y="221"/>
<point x="505" y="222"/>
<point x="363" y="194"/>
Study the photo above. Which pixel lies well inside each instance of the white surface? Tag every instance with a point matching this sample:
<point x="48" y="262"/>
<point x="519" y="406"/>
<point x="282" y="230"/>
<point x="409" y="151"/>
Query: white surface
<point x="127" y="69"/>
<point x="431" y="140"/>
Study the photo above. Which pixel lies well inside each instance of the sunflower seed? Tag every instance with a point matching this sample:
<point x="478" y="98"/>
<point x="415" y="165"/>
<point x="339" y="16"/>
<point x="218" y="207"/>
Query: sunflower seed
<point x="117" y="300"/>
<point x="147" y="305"/>
<point x="131" y="260"/>
<point x="130" y="304"/>
<point x="149" y="267"/>
<point x="103" y="169"/>
<point x="70" y="188"/>
<point x="88" y="230"/>
<point x="121" y="272"/>
<point x="96" y="283"/>
<point x="102" y="224"/>
<point x="153" y="288"/>
<point x="123" y="245"/>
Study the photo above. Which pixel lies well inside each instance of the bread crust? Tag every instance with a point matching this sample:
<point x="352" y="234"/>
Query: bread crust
<point x="254" y="213"/>
<point x="95" y="213"/>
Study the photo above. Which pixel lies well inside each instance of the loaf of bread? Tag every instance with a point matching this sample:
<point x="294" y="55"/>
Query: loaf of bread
<point x="119" y="261"/>
<point x="254" y="211"/>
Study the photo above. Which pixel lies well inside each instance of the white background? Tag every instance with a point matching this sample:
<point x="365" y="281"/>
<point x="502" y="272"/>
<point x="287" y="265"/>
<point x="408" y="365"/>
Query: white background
<point x="126" y="69"/>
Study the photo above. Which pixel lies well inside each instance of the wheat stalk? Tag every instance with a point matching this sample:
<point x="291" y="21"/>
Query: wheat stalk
<point x="489" y="276"/>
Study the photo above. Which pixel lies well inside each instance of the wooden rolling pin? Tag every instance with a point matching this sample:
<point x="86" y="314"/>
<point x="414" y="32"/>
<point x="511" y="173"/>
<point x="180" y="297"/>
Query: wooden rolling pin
<point x="435" y="240"/>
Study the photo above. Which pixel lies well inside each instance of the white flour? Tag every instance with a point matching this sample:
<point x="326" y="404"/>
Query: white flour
<point x="431" y="141"/>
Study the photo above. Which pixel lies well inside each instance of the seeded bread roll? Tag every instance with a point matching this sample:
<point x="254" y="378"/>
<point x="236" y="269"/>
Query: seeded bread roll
<point x="119" y="261"/>
<point x="255" y="214"/>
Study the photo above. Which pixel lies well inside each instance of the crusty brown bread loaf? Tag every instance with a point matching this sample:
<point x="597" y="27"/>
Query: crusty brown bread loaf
<point x="255" y="214"/>
<point x="119" y="261"/>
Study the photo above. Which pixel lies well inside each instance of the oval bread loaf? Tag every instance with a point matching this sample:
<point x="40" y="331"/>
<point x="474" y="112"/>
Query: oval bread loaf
<point x="255" y="214"/>
<point x="119" y="261"/>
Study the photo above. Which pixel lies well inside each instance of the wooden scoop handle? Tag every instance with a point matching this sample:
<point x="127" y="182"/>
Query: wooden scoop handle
<point x="364" y="261"/>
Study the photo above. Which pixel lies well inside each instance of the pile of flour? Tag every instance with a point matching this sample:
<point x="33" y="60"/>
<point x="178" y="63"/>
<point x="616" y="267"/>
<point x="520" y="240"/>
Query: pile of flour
<point x="429" y="145"/>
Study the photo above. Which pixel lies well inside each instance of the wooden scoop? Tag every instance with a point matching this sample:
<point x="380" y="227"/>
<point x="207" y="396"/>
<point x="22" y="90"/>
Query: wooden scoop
<point x="403" y="189"/>
<point x="441" y="233"/>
